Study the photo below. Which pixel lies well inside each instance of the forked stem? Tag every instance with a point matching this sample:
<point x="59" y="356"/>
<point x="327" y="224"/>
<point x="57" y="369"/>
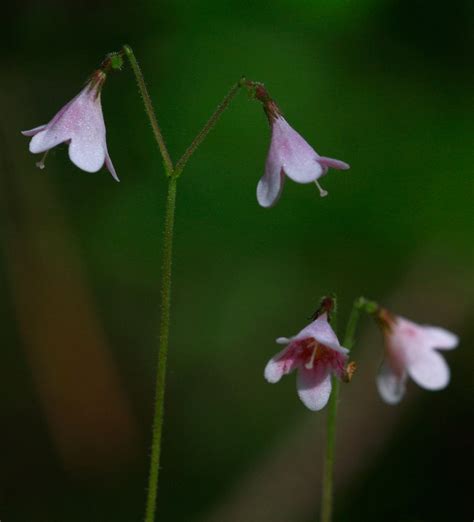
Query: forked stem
<point x="211" y="122"/>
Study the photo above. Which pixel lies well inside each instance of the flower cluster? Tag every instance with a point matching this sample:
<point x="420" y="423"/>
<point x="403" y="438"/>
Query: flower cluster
<point x="315" y="352"/>
<point x="410" y="350"/>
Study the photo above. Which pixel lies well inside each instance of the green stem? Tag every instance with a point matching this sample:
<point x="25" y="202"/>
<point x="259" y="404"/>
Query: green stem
<point x="208" y="127"/>
<point x="328" y="478"/>
<point x="163" y="350"/>
<point x="326" y="507"/>
<point x="168" y="164"/>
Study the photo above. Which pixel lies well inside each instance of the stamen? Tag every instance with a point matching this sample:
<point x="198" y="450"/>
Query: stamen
<point x="323" y="193"/>
<point x="40" y="163"/>
<point x="309" y="365"/>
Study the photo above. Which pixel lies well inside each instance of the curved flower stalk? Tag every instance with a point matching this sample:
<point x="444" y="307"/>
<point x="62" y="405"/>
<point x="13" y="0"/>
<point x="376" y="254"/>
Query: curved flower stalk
<point x="289" y="155"/>
<point x="317" y="355"/>
<point x="410" y="350"/>
<point x="80" y="123"/>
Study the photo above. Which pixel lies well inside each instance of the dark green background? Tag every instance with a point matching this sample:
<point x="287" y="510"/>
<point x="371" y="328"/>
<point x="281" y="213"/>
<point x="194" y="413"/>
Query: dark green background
<point x="384" y="85"/>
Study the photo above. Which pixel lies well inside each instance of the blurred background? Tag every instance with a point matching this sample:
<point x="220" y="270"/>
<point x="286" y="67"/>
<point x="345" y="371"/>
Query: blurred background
<point x="385" y="85"/>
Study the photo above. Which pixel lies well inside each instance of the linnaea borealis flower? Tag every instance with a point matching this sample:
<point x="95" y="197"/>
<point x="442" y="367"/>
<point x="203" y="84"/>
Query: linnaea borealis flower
<point x="411" y="350"/>
<point x="316" y="354"/>
<point x="289" y="155"/>
<point x="80" y="123"/>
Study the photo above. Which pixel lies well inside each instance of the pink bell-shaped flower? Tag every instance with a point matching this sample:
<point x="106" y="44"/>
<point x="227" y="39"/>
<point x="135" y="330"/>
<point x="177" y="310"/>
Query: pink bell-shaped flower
<point x="289" y="155"/>
<point x="79" y="123"/>
<point x="316" y="353"/>
<point x="410" y="350"/>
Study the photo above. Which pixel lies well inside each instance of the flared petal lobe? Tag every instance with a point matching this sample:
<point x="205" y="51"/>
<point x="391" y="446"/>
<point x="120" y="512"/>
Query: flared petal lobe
<point x="391" y="385"/>
<point x="271" y="184"/>
<point x="282" y="364"/>
<point x="314" y="388"/>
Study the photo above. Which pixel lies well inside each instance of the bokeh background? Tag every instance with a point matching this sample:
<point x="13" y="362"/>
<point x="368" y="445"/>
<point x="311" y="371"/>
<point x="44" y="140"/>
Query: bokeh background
<point x="386" y="85"/>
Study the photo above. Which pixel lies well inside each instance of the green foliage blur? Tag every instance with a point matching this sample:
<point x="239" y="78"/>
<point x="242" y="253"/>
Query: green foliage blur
<point x="385" y="85"/>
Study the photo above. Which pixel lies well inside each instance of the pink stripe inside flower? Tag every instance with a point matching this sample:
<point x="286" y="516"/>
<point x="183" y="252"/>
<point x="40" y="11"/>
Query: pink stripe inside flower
<point x="316" y="354"/>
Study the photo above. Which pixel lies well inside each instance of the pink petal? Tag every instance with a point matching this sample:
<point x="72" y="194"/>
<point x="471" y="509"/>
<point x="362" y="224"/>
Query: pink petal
<point x="333" y="163"/>
<point x="321" y="330"/>
<point x="297" y="158"/>
<point x="428" y="369"/>
<point x="391" y="386"/>
<point x="282" y="364"/>
<point x="110" y="166"/>
<point x="440" y="338"/>
<point x="269" y="187"/>
<point x="314" y="387"/>
<point x="34" y="131"/>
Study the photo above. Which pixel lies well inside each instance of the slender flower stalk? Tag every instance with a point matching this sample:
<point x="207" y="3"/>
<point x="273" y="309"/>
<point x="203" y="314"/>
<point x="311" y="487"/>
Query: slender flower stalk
<point x="163" y="350"/>
<point x="328" y="477"/>
<point x="201" y="136"/>
<point x="172" y="172"/>
<point x="168" y="164"/>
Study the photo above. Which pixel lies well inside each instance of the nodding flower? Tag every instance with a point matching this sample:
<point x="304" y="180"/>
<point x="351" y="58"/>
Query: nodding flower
<point x="410" y="350"/>
<point x="316" y="354"/>
<point x="289" y="155"/>
<point x="80" y="123"/>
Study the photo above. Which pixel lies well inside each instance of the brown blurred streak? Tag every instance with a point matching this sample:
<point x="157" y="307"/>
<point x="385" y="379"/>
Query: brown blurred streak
<point x="286" y="484"/>
<point x="88" y="412"/>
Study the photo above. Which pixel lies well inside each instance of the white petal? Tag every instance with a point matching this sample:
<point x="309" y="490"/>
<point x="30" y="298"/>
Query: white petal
<point x="314" y="387"/>
<point x="86" y="154"/>
<point x="429" y="370"/>
<point x="297" y="158"/>
<point x="440" y="338"/>
<point x="47" y="139"/>
<point x="270" y="186"/>
<point x="390" y="385"/>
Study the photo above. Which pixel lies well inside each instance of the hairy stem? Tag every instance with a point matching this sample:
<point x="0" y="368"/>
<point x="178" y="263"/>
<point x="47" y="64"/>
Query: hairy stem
<point x="328" y="478"/>
<point x="168" y="164"/>
<point x="163" y="350"/>
<point x="200" y="137"/>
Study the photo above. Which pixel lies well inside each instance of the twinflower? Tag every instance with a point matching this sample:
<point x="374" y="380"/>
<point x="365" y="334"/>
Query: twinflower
<point x="79" y="123"/>
<point x="316" y="353"/>
<point x="410" y="350"/>
<point x="289" y="155"/>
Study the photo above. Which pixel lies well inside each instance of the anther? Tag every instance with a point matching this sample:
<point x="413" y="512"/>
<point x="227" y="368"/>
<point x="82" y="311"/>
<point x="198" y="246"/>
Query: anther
<point x="40" y="163"/>
<point x="323" y="193"/>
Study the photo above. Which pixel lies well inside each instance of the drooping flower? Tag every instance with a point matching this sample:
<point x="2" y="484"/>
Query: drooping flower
<point x="316" y="353"/>
<point x="289" y="155"/>
<point x="79" y="123"/>
<point x="410" y="350"/>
